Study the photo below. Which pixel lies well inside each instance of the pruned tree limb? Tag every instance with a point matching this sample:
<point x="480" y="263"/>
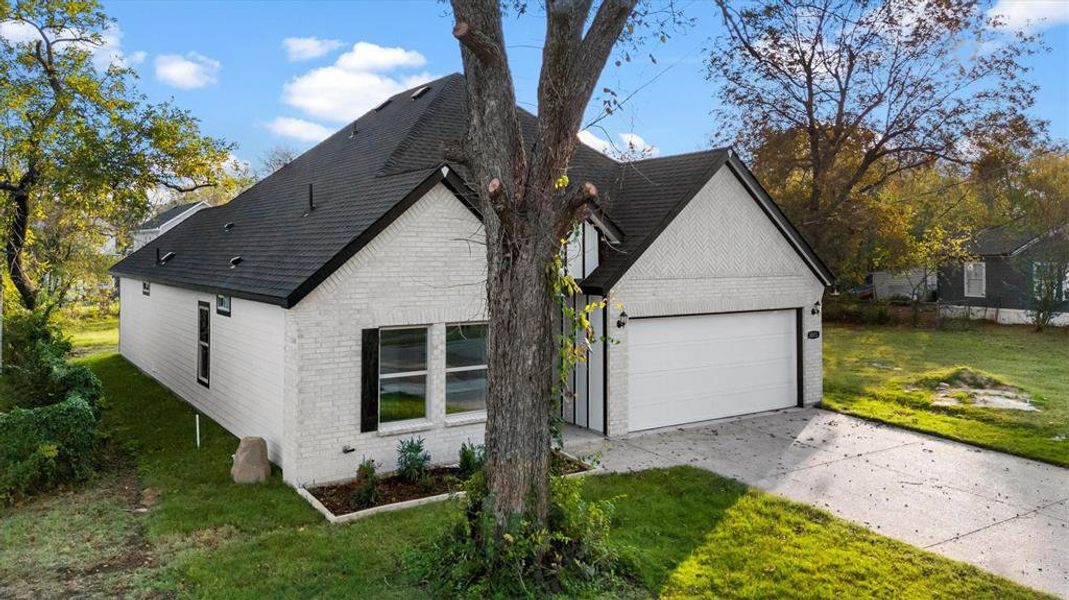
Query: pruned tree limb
<point x="480" y="44"/>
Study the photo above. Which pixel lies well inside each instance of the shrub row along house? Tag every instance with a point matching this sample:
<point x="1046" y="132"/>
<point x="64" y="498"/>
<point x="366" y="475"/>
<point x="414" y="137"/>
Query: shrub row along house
<point x="340" y="302"/>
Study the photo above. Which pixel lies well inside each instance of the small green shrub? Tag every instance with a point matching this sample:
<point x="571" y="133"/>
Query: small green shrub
<point x="412" y="460"/>
<point x="366" y="486"/>
<point x="472" y="457"/>
<point x="45" y="446"/>
<point x="35" y="370"/>
<point x="25" y="330"/>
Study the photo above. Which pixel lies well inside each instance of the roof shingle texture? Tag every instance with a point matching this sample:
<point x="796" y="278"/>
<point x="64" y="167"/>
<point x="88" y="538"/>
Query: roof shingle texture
<point x="359" y="174"/>
<point x="166" y="216"/>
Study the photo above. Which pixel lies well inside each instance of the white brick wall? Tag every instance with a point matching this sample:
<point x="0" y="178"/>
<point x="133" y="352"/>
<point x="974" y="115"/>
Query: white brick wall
<point x="720" y="254"/>
<point x="158" y="334"/>
<point x="427" y="268"/>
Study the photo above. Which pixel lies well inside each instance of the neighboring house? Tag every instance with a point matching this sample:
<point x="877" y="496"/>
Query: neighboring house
<point x="887" y="285"/>
<point x="999" y="285"/>
<point x="339" y="304"/>
<point x="164" y="222"/>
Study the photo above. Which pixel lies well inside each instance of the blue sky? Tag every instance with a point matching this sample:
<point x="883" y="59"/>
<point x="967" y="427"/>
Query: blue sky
<point x="228" y="63"/>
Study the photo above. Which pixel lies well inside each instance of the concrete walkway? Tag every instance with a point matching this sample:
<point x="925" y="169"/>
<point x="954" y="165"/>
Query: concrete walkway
<point x="1004" y="514"/>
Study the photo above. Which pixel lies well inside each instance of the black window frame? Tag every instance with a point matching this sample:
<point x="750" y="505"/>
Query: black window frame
<point x="204" y="343"/>
<point x="219" y="310"/>
<point x="146" y="288"/>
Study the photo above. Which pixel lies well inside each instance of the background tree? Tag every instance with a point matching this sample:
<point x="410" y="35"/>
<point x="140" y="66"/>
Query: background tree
<point x="852" y="93"/>
<point x="1041" y="205"/>
<point x="274" y="159"/>
<point x="79" y="138"/>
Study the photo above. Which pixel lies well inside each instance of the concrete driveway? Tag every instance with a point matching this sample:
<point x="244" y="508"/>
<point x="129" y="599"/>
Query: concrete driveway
<point x="1004" y="514"/>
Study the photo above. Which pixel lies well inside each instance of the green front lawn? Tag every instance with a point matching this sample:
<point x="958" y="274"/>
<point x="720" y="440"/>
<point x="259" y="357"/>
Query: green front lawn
<point x="867" y="372"/>
<point x="163" y="517"/>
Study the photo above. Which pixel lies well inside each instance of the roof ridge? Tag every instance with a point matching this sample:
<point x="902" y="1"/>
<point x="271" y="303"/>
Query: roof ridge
<point x="410" y="138"/>
<point x="680" y="155"/>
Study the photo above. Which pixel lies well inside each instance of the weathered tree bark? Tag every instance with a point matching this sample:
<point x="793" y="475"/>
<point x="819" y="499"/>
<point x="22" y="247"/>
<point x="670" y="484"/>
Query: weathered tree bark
<point x="16" y="242"/>
<point x="525" y="217"/>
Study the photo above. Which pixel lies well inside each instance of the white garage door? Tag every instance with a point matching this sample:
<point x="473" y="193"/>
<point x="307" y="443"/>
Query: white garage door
<point x="695" y="368"/>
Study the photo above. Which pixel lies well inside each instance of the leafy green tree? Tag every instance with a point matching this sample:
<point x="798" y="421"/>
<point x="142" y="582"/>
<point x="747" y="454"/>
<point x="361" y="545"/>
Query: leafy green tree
<point x="79" y="138"/>
<point x="853" y="93"/>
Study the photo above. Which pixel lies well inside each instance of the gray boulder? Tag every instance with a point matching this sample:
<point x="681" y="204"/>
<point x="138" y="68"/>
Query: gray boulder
<point x="250" y="461"/>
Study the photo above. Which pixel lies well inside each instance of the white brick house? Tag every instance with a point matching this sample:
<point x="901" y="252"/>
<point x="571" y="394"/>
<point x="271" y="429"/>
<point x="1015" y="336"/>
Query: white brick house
<point x="338" y="306"/>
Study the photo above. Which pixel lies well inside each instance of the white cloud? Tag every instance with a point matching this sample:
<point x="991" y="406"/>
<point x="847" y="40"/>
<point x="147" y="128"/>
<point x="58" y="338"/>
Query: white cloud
<point x="235" y="166"/>
<point x="108" y="52"/>
<point x="136" y="58"/>
<point x="355" y="83"/>
<point x="187" y="72"/>
<point x="1031" y="14"/>
<point x="307" y="48"/>
<point x="298" y="129"/>
<point x="17" y="32"/>
<point x="630" y="147"/>
<point x="601" y="145"/>
<point x="635" y="144"/>
<point x="369" y="57"/>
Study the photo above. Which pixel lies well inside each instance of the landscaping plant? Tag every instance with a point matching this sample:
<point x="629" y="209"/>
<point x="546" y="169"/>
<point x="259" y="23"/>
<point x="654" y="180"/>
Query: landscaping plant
<point x="412" y="460"/>
<point x="569" y="556"/>
<point x="45" y="446"/>
<point x="472" y="457"/>
<point x="366" y="486"/>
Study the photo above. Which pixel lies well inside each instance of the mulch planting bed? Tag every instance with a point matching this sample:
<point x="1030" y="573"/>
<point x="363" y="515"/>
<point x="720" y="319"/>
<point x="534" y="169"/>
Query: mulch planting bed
<point x="338" y="498"/>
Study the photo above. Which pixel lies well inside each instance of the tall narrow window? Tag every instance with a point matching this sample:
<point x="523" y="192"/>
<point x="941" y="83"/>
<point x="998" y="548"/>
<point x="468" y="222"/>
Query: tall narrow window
<point x="402" y="374"/>
<point x="204" y="343"/>
<point x="975" y="280"/>
<point x="465" y="368"/>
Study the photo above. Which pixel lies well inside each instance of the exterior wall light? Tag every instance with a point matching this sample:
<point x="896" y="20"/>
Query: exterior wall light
<point x="816" y="308"/>
<point x="622" y="321"/>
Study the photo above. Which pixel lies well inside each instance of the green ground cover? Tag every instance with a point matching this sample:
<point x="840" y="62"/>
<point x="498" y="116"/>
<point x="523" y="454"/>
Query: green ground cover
<point x="867" y="373"/>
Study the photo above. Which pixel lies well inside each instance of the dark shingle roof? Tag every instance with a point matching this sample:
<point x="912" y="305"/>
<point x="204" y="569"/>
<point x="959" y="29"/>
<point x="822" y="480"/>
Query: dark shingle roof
<point x="364" y="176"/>
<point x="166" y="216"/>
<point x="1004" y="240"/>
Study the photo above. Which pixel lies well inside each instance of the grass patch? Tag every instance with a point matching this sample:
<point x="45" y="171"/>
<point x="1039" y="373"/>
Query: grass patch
<point x="866" y="371"/>
<point x="193" y="485"/>
<point x="169" y="521"/>
<point x="93" y="336"/>
<point x="693" y="534"/>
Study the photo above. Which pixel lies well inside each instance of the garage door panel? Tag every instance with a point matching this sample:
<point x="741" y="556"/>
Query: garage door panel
<point x="695" y="368"/>
<point x="667" y="355"/>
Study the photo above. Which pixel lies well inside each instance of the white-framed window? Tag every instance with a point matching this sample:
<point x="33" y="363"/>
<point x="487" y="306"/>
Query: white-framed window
<point x="975" y="280"/>
<point x="465" y="367"/>
<point x="402" y="374"/>
<point x="204" y="343"/>
<point x="1044" y="273"/>
<point x="146" y="288"/>
<point x="222" y="305"/>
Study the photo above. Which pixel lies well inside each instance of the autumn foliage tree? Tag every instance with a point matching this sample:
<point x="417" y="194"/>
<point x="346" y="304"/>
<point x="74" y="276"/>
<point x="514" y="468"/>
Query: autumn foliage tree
<point x="76" y="136"/>
<point x="835" y="98"/>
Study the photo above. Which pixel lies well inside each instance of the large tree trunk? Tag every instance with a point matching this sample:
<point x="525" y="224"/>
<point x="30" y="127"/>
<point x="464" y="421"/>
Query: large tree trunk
<point x="16" y="244"/>
<point x="521" y="374"/>
<point x="525" y="216"/>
